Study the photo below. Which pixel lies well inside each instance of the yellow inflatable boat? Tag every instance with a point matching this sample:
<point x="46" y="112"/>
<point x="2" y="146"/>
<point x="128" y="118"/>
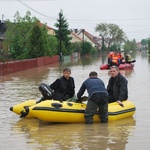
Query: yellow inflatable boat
<point x="69" y="112"/>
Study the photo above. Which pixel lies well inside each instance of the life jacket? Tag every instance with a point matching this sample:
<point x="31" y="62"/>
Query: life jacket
<point x="115" y="59"/>
<point x="120" y="56"/>
<point x="129" y="57"/>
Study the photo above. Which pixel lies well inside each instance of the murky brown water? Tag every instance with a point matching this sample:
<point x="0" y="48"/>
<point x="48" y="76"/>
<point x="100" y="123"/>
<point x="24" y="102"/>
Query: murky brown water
<point x="31" y="134"/>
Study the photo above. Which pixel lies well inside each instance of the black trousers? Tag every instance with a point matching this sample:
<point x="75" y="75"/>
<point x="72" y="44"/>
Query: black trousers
<point x="98" y="102"/>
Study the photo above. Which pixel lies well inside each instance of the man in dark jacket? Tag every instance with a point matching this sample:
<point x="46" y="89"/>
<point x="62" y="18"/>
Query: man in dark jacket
<point x="97" y="98"/>
<point x="64" y="87"/>
<point x="117" y="86"/>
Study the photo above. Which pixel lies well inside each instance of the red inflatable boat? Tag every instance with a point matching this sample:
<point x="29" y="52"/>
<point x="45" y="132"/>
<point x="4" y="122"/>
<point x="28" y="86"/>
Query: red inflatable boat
<point x="121" y="66"/>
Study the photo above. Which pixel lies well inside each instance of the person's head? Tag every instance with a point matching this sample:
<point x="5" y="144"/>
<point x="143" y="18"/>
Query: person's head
<point x="66" y="72"/>
<point x="114" y="71"/>
<point x="92" y="74"/>
<point x="125" y="54"/>
<point x="115" y="53"/>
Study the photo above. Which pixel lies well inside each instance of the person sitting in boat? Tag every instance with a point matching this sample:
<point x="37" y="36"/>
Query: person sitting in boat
<point x="63" y="87"/>
<point x="98" y="98"/>
<point x="120" y="57"/>
<point x="110" y="54"/>
<point x="115" y="60"/>
<point x="127" y="58"/>
<point x="117" y="86"/>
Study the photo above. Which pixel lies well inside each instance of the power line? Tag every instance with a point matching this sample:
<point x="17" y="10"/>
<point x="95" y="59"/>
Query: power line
<point x="30" y="0"/>
<point x="35" y="10"/>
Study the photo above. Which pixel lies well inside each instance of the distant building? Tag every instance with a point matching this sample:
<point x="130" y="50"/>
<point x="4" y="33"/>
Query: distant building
<point x="51" y="31"/>
<point x="75" y="38"/>
<point x="138" y="45"/>
<point x="86" y="36"/>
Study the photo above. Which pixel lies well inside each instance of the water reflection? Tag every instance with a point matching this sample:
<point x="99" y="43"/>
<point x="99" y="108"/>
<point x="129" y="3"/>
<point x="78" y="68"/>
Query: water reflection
<point x="32" y="134"/>
<point x="104" y="58"/>
<point x="127" y="72"/>
<point x="75" y="136"/>
<point x="149" y="58"/>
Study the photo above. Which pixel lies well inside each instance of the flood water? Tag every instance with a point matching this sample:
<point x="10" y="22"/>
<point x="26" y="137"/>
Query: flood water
<point x="31" y="134"/>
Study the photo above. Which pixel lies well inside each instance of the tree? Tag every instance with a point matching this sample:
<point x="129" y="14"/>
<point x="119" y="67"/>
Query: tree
<point x="62" y="34"/>
<point x="17" y="35"/>
<point x="25" y="38"/>
<point x="149" y="45"/>
<point x="111" y="34"/>
<point x="144" y="42"/>
<point x="37" y="42"/>
<point x="130" y="45"/>
<point x="87" y="48"/>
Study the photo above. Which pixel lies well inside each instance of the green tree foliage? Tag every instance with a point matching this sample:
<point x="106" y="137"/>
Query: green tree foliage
<point x="87" y="48"/>
<point x="76" y="47"/>
<point x="130" y="45"/>
<point x="113" y="47"/>
<point x="37" y="42"/>
<point x="17" y="35"/>
<point x="111" y="33"/>
<point x="148" y="46"/>
<point x="53" y="42"/>
<point x="26" y="38"/>
<point x="144" y="42"/>
<point x="62" y="34"/>
<point x="41" y="44"/>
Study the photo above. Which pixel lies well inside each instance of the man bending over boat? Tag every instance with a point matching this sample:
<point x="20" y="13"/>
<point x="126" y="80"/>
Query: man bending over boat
<point x="117" y="86"/>
<point x="98" y="98"/>
<point x="63" y="87"/>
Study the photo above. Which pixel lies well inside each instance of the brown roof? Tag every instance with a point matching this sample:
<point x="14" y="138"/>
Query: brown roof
<point x="50" y="28"/>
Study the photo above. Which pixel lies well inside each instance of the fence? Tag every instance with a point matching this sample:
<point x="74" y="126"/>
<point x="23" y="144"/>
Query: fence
<point x="20" y="65"/>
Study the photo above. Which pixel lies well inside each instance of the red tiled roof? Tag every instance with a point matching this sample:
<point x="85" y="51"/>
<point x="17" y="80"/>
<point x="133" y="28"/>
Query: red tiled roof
<point x="41" y="24"/>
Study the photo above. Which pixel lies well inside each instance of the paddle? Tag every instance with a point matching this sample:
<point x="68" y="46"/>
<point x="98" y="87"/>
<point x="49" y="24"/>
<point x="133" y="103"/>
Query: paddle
<point x="132" y="61"/>
<point x="129" y="62"/>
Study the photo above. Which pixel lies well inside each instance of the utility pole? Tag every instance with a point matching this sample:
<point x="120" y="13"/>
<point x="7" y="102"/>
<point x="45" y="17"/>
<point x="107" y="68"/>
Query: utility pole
<point x="102" y="43"/>
<point x="2" y="17"/>
<point x="60" y="40"/>
<point x="83" y="40"/>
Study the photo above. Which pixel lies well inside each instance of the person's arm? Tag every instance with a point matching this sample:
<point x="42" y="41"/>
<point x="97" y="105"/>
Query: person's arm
<point x="73" y="86"/>
<point x="123" y="90"/>
<point x="81" y="91"/>
<point x="55" y="84"/>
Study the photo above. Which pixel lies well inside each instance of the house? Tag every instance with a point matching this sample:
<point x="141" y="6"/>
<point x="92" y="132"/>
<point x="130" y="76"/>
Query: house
<point x="86" y="36"/>
<point x="75" y="38"/>
<point x="139" y="45"/>
<point x="51" y="31"/>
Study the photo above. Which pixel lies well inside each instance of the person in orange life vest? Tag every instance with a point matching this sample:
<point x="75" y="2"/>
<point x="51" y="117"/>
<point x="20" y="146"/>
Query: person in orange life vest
<point x="110" y="54"/>
<point x="115" y="59"/>
<point x="120" y="58"/>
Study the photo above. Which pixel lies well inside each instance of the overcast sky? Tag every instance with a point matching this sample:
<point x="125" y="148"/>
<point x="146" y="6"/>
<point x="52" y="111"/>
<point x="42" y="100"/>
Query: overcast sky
<point x="133" y="16"/>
